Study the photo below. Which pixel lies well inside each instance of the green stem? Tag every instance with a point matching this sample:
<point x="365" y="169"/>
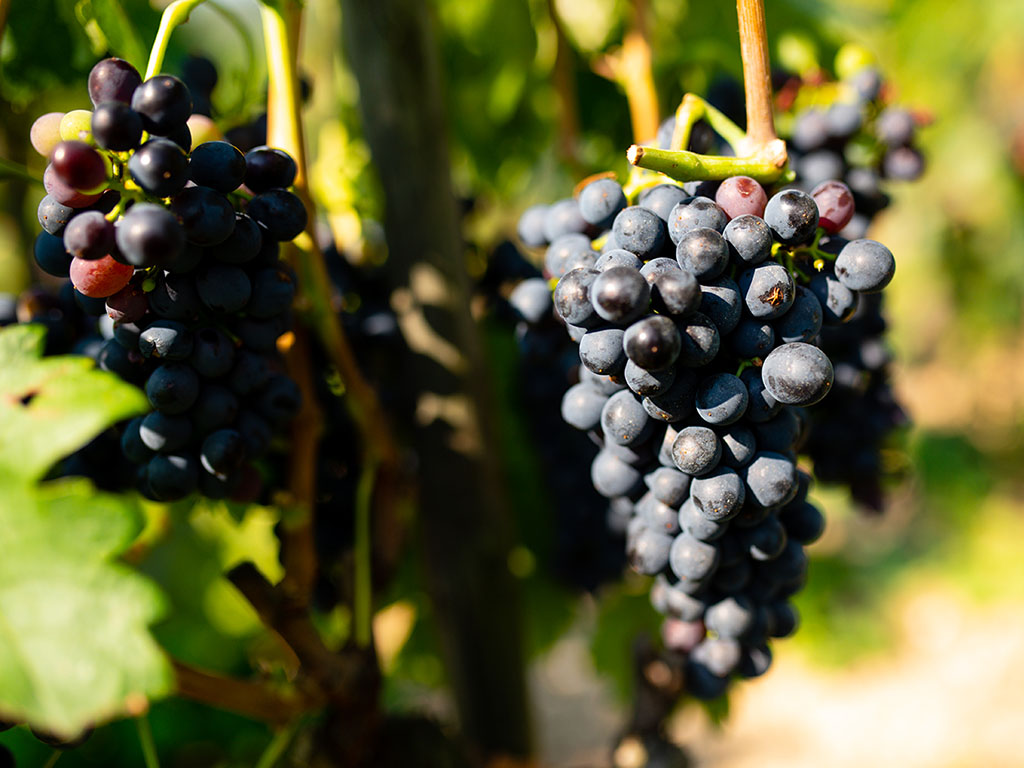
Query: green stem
<point x="363" y="599"/>
<point x="149" y="754"/>
<point x="11" y="170"/>
<point x="278" y="744"/>
<point x="53" y="759"/>
<point x="283" y="97"/>
<point x="724" y="127"/>
<point x="689" y="166"/>
<point x="174" y="15"/>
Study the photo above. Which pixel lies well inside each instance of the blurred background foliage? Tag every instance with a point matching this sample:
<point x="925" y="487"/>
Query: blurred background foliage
<point x="944" y="561"/>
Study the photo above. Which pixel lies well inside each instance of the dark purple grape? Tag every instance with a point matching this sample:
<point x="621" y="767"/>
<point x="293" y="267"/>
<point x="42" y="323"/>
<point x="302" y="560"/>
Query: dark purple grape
<point x="224" y="288"/>
<point x="865" y="265"/>
<point x="600" y="202"/>
<point x="160" y="167"/>
<point x="639" y="231"/>
<point x="704" y="252"/>
<point x="205" y="215"/>
<point x="572" y="298"/>
<point x="792" y="216"/>
<point x="78" y="165"/>
<point x="749" y="239"/>
<point x="531" y="226"/>
<point x="51" y="255"/>
<point x="768" y="290"/>
<point x="89" y="236"/>
<point x="563" y="218"/>
<point x="700" y="339"/>
<point x="797" y="374"/>
<point x="172" y="388"/>
<point x="223" y="451"/>
<point x="696" y="450"/>
<point x="267" y="168"/>
<point x="653" y="343"/>
<point x="164" y="103"/>
<point x="273" y="290"/>
<point x="695" y="213"/>
<point x="218" y="165"/>
<point x="63" y="194"/>
<point x="116" y="126"/>
<point x="281" y="214"/>
<point x="149" y="235"/>
<point x="620" y="295"/>
<point x="113" y="80"/>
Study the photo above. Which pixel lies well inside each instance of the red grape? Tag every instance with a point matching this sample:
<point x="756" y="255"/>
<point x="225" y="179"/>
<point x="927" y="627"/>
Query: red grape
<point x="739" y="195"/>
<point x="100" y="278"/>
<point x="835" y="205"/>
<point x="78" y="165"/>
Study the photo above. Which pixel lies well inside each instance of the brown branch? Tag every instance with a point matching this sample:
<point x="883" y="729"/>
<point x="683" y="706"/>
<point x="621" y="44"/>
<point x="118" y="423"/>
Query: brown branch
<point x="565" y="90"/>
<point x="757" y="80"/>
<point x="243" y="697"/>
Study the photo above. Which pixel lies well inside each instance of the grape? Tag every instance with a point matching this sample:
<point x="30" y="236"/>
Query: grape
<point x="205" y="214"/>
<point x="134" y="449"/>
<point x="738" y="446"/>
<point x="783" y="619"/>
<point x="802" y="521"/>
<point x="675" y="403"/>
<point x="770" y="479"/>
<point x="731" y="617"/>
<point x="129" y="305"/>
<point x="531" y="299"/>
<point x="620" y="295"/>
<point x="53" y="216"/>
<point x="89" y="236"/>
<point x="63" y="194"/>
<point x="818" y="167"/>
<point x="903" y="164"/>
<point x="116" y="126"/>
<point x="779" y="433"/>
<point x="648" y="383"/>
<point x="612" y="476"/>
<point x="797" y="374"/>
<point x="692" y="560"/>
<point x="167" y="340"/>
<point x="752" y="338"/>
<point x="45" y="133"/>
<point x="149" y="235"/>
<point x="113" y="80"/>
<point x="272" y="293"/>
<point x="51" y="256"/>
<point x="810" y="131"/>
<point x="563" y="218"/>
<point x="675" y="292"/>
<point x="652" y="343"/>
<point x="99" y="278"/>
<point x="267" y="168"/>
<point x="792" y="216"/>
<point x="695" y="213"/>
<point x="171" y="477"/>
<point x="76" y="125"/>
<point x="837" y="302"/>
<point x="648" y="551"/>
<point x="164" y="434"/>
<point x="181" y="136"/>
<point x="674" y="602"/>
<point x="245" y="242"/>
<point x="572" y="298"/>
<point x="700" y="341"/>
<point x="164" y="104"/>
<point x="741" y="195"/>
<point x="756" y="661"/>
<point x="531" y="226"/>
<point x="190" y="257"/>
<point x="680" y="636"/>
<point x="719" y="655"/>
<point x="129" y="365"/>
<point x="601" y="201"/>
<point x="865" y="265"/>
<point x="279" y="401"/>
<point x="803" y="320"/>
<point x="699" y="527"/>
<point x="718" y="495"/>
<point x="639" y="231"/>
<point x="768" y="290"/>
<point x="172" y="388"/>
<point x="661" y="199"/>
<point x="215" y="407"/>
<point x="721" y="302"/>
<point x="220" y="166"/>
<point x="696" y="450"/>
<point x="844" y="120"/>
<point x="749" y="239"/>
<point x="655" y="268"/>
<point x="761" y="406"/>
<point x="602" y="352"/>
<point x="704" y="252"/>
<point x="624" y="420"/>
<point x="835" y="205"/>
<point x="175" y="298"/>
<point x="78" y="165"/>
<point x="160" y="167"/>
<point x="223" y="451"/>
<point x="260" y="335"/>
<point x="281" y="214"/>
<point x="224" y="288"/>
<point x="565" y="250"/>
<point x="895" y="127"/>
<point x="582" y="405"/>
<point x="255" y="431"/>
<point x="618" y="258"/>
<point x="721" y="399"/>
<point x="668" y="486"/>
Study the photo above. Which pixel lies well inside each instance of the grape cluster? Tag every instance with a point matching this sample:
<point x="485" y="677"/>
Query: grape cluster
<point x="849" y="132"/>
<point x="698" y="311"/>
<point x="179" y="248"/>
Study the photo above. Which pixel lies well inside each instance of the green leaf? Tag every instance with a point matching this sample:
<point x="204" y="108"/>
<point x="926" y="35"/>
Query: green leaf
<point x="75" y="648"/>
<point x="117" y="32"/>
<point x="51" y="406"/>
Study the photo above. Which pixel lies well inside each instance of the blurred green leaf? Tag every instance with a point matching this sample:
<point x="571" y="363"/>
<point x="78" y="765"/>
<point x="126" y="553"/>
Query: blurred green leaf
<point x="75" y="648"/>
<point x="624" y="614"/>
<point x="51" y="406"/>
<point x="118" y="33"/>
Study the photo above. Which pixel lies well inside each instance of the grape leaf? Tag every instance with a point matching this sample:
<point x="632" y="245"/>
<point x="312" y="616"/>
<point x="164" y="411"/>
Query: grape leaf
<point x="112" y="28"/>
<point x="51" y="406"/>
<point x="75" y="648"/>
